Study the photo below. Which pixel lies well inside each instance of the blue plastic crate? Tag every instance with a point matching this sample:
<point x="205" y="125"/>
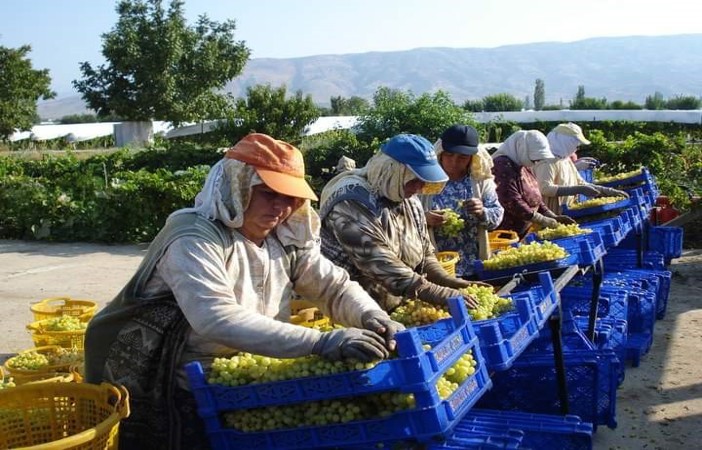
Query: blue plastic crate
<point x="480" y="437"/>
<point x="611" y="230"/>
<point x="530" y="385"/>
<point x="541" y="431"/>
<point x="637" y="345"/>
<point x="599" y="209"/>
<point x="621" y="258"/>
<point x="504" y="338"/>
<point x="610" y="334"/>
<point x="415" y="371"/>
<point x="667" y="241"/>
<point x="572" y="339"/>
<point x="641" y="310"/>
<point x="611" y="303"/>
<point x="663" y="278"/>
<point x="589" y="246"/>
<point x="642" y="178"/>
<point x="482" y="274"/>
<point x="543" y="296"/>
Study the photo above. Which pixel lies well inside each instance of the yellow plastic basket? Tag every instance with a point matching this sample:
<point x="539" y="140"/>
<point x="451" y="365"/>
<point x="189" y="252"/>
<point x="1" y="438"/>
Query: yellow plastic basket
<point x="502" y="239"/>
<point x="60" y="416"/>
<point x="448" y="261"/>
<point x="63" y="306"/>
<point x="55" y="372"/>
<point x="66" y="339"/>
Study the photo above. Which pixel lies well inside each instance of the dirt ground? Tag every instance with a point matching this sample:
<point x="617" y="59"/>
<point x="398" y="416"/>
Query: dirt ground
<point x="659" y="405"/>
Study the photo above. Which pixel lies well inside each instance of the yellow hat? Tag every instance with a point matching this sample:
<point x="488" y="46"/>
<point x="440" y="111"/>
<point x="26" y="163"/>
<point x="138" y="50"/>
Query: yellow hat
<point x="571" y="129"/>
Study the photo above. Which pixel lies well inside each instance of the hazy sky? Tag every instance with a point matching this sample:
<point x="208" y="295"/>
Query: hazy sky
<point x="63" y="33"/>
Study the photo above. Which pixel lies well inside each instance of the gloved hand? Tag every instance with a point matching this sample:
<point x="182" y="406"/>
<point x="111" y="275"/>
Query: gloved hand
<point x="605" y="191"/>
<point x="379" y="322"/>
<point x="545" y="222"/>
<point x="347" y="343"/>
<point x="437" y="295"/>
<point x="566" y="220"/>
<point x="586" y="163"/>
<point x="585" y="189"/>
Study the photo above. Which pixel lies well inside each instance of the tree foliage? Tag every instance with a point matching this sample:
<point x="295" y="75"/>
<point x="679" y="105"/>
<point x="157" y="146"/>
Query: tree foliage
<point x="394" y="111"/>
<point x="502" y="102"/>
<point x="159" y="68"/>
<point x="539" y="94"/>
<point x="267" y="110"/>
<point x="20" y="88"/>
<point x="353" y="106"/>
<point x="583" y="102"/>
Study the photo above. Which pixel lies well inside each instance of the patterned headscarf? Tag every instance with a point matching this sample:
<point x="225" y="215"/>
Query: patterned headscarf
<point x="226" y="195"/>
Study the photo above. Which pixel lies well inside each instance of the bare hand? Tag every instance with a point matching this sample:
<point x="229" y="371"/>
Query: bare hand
<point x="474" y="206"/>
<point x="435" y="218"/>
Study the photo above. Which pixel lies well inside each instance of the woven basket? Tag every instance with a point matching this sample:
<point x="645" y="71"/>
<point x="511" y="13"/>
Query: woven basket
<point x="59" y="416"/>
<point x="502" y="239"/>
<point x="56" y="372"/>
<point x="66" y="339"/>
<point x="63" y="306"/>
<point x="448" y="261"/>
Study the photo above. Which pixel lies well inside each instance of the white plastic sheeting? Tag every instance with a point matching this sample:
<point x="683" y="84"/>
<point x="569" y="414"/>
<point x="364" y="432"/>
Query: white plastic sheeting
<point x="86" y="131"/>
<point x="592" y="115"/>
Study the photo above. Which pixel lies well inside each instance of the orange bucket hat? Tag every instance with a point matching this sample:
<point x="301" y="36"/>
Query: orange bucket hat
<point x="279" y="164"/>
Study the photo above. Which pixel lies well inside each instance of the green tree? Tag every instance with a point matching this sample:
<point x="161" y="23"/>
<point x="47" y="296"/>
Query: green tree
<point x="684" y="102"/>
<point x="655" y="101"/>
<point x="21" y="87"/>
<point x="502" y="102"/>
<point x="474" y="105"/>
<point x="267" y="110"/>
<point x="353" y="106"/>
<point x="539" y="94"/>
<point x="396" y="111"/>
<point x="160" y="68"/>
<point x="618" y="104"/>
<point x="583" y="102"/>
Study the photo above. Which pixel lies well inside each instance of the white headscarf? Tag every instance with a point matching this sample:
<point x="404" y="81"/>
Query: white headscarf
<point x="562" y="145"/>
<point x="480" y="163"/>
<point x="525" y="146"/>
<point x="226" y="195"/>
<point x="382" y="174"/>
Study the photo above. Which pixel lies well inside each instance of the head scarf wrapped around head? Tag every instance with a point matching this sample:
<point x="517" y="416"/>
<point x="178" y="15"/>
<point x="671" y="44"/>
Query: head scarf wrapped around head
<point x="524" y="147"/>
<point x="226" y="195"/>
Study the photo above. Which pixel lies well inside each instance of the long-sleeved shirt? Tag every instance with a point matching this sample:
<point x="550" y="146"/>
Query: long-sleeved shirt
<point x="518" y="192"/>
<point x="551" y="174"/>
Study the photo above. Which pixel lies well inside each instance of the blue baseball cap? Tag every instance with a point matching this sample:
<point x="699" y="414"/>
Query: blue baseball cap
<point x="417" y="153"/>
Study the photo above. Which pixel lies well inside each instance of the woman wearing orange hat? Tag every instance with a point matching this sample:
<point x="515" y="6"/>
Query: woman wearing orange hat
<point x="373" y="225"/>
<point x="218" y="279"/>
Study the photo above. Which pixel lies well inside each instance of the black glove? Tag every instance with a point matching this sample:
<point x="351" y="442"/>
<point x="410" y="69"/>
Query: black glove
<point x="585" y="189"/>
<point x="351" y="343"/>
<point x="379" y="322"/>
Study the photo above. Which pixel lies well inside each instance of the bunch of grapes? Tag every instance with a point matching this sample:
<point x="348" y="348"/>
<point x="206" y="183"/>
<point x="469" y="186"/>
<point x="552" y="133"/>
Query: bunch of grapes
<point x="28" y="361"/>
<point x="562" y="230"/>
<point x="453" y="223"/>
<point x="490" y="305"/>
<point x="455" y="375"/>
<point x="414" y="313"/>
<point x="319" y="413"/>
<point x="65" y="357"/>
<point x="344" y="410"/>
<point x="533" y="252"/>
<point x="619" y="176"/>
<point x="599" y="201"/>
<point x="246" y="368"/>
<point x="63" y="323"/>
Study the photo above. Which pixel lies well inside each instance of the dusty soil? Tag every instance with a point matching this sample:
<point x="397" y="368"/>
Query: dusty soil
<point x="659" y="405"/>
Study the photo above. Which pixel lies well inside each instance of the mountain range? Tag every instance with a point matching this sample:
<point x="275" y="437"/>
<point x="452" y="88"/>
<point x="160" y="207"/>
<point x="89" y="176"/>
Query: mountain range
<point x="616" y="68"/>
